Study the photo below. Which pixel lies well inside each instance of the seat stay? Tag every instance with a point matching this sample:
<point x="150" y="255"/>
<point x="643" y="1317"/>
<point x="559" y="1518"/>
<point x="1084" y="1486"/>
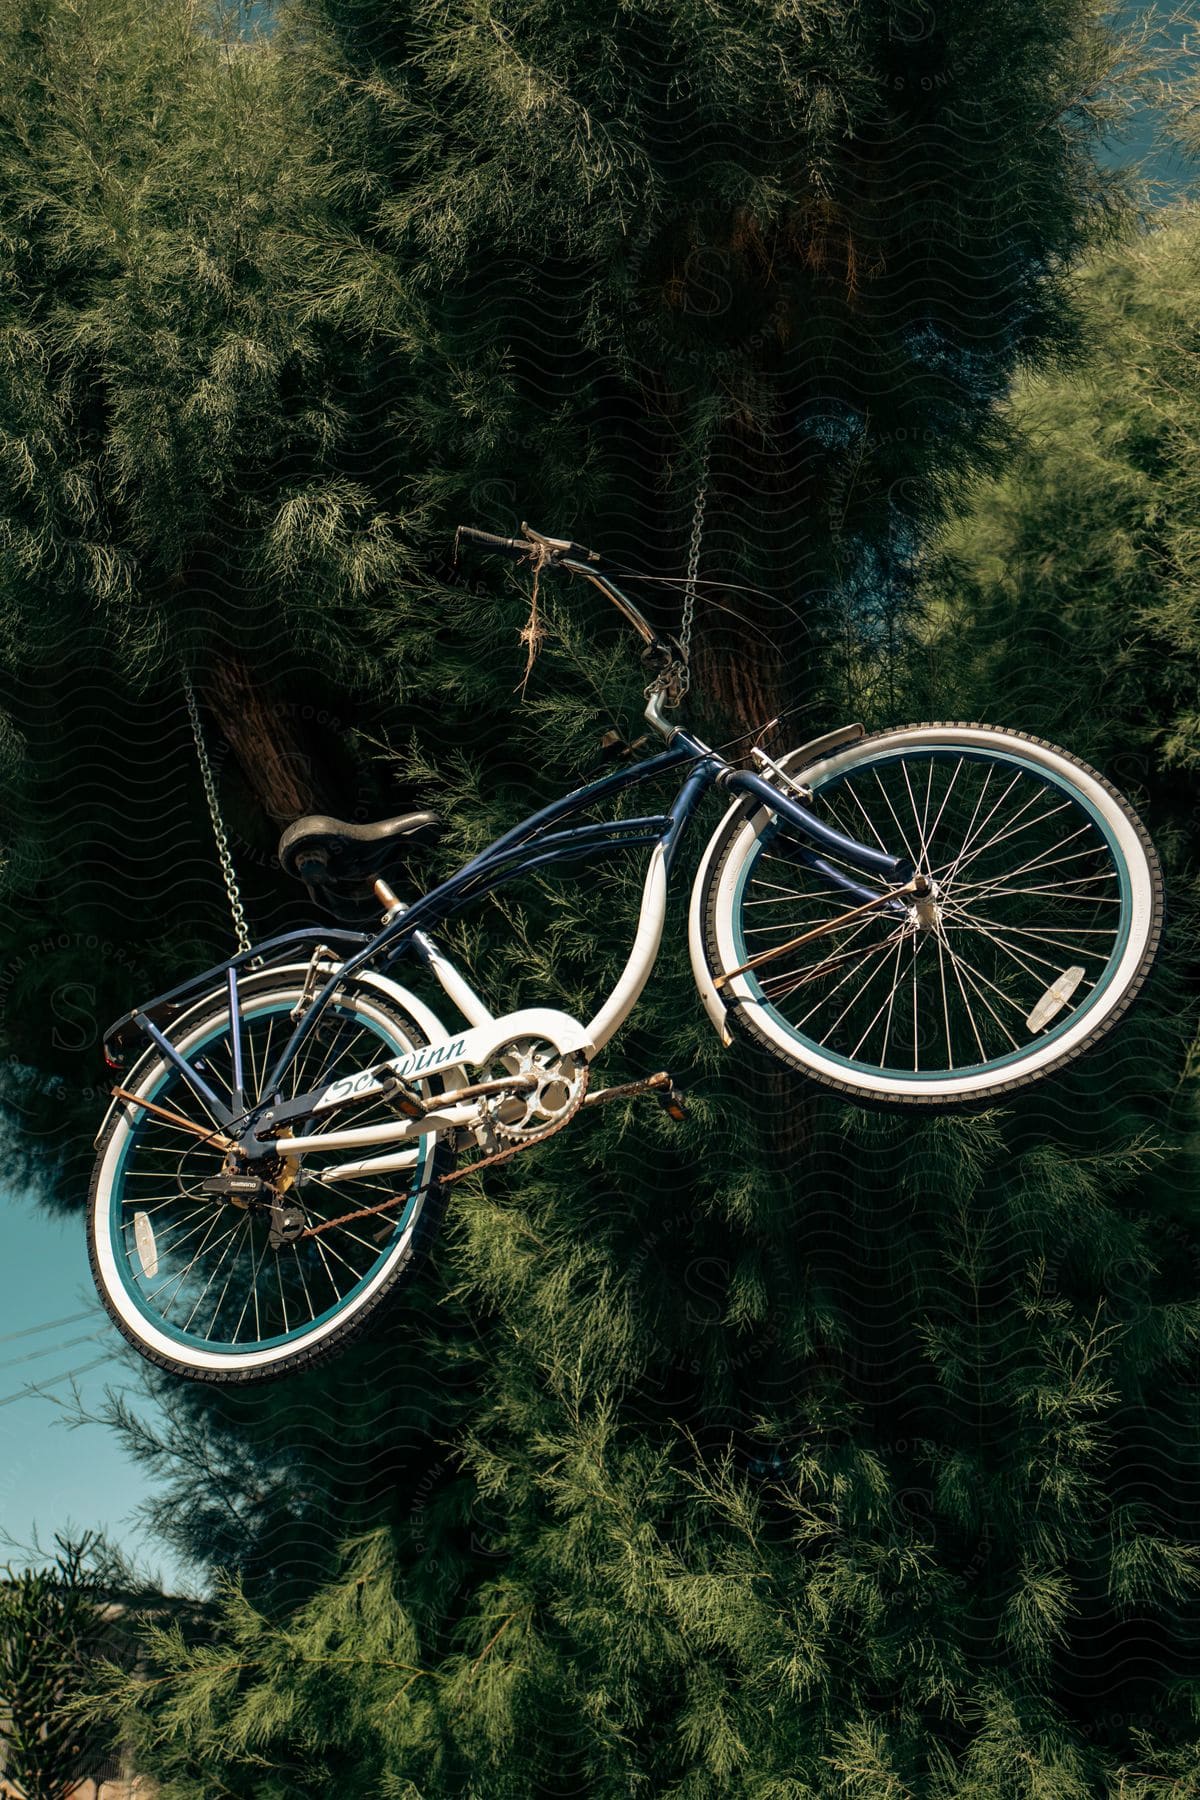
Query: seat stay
<point x="163" y="1007"/>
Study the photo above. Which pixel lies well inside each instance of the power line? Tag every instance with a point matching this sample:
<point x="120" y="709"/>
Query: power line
<point x="88" y="1337"/>
<point x="41" y="1387"/>
<point x="8" y="1337"/>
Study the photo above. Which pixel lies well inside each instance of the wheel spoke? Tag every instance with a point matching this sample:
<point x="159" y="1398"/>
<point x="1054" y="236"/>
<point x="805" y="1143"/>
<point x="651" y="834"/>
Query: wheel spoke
<point x="941" y="950"/>
<point x="979" y="981"/>
<point x="792" y="981"/>
<point x="238" y="1229"/>
<point x="924" y="861"/>
<point x="853" y="1000"/>
<point x="887" y="802"/>
<point x="947" y="872"/>
<point x="929" y="835"/>
<point x="1002" y="837"/>
<point x="303" y="1279"/>
<point x="885" y="1005"/>
<point x="1047" y="963"/>
<point x="1053" y="893"/>
<point x="887" y="1024"/>
<point x="970" y="1010"/>
<point x="826" y="997"/>
<point x="216" y="1313"/>
<point x="1046" y="859"/>
<point x="849" y="831"/>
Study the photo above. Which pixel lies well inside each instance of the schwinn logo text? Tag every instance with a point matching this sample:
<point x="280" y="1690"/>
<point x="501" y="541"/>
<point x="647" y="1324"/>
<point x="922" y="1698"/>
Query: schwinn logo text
<point x="433" y="1056"/>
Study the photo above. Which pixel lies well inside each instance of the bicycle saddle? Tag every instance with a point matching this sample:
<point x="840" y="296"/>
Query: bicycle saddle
<point x="317" y="848"/>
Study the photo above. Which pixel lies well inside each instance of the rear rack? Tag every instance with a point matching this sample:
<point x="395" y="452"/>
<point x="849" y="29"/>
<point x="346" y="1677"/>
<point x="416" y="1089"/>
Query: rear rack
<point x="125" y="1036"/>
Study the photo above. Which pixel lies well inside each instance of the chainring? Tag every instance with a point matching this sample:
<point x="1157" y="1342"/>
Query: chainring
<point x="526" y="1118"/>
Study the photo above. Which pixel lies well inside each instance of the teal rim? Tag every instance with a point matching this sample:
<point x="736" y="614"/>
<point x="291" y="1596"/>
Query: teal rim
<point x="917" y="1078"/>
<point x="117" y="1228"/>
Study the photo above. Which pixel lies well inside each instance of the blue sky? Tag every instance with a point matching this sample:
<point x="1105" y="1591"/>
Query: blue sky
<point x="52" y="1476"/>
<point x="1163" y="165"/>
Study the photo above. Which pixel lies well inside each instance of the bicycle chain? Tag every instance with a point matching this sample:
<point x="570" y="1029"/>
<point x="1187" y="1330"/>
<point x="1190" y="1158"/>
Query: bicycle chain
<point x="693" y="570"/>
<point x="675" y="680"/>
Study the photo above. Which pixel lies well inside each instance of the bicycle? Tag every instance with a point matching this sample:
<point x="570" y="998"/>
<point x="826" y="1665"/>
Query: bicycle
<point x="931" y="916"/>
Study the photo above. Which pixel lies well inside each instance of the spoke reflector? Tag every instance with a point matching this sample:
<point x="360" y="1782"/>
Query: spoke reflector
<point x="147" y="1249"/>
<point x="1055" y="998"/>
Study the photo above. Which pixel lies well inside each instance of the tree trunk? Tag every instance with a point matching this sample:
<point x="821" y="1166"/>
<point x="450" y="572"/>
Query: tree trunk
<point x="277" y="768"/>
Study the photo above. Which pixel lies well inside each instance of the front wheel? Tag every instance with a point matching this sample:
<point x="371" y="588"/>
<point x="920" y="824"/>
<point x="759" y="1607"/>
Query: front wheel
<point x="1040" y="923"/>
<point x="198" y="1282"/>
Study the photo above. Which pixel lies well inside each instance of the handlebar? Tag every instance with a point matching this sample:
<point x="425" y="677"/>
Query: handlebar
<point x="554" y="550"/>
<point x="577" y="559"/>
<point x="487" y="540"/>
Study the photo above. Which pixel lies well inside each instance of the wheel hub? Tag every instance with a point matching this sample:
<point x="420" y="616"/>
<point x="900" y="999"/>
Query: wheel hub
<point x="927" y="905"/>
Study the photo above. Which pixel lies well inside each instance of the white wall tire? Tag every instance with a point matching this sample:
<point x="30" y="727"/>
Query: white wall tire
<point x="391" y="1029"/>
<point x="739" y="839"/>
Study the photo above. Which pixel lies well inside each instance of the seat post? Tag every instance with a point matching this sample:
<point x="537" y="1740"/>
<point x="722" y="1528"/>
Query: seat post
<point x="391" y="904"/>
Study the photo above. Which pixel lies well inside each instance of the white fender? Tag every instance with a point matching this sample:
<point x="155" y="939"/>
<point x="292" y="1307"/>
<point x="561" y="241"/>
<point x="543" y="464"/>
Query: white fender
<point x="714" y="1006"/>
<point x="422" y="1015"/>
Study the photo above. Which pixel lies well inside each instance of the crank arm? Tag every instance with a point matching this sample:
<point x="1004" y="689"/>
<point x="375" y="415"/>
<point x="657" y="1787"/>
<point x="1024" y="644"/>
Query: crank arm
<point x="629" y="1090"/>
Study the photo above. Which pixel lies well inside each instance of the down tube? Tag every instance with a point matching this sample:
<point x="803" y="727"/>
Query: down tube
<point x="652" y="917"/>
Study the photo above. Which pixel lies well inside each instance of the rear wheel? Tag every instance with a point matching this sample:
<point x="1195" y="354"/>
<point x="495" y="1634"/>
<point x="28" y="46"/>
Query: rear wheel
<point x="194" y="1281"/>
<point x="1041" y="922"/>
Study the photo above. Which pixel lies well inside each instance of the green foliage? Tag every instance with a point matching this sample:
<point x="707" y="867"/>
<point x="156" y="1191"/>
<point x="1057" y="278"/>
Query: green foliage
<point x="788" y="1452"/>
<point x="51" y="1629"/>
<point x="1091" y="534"/>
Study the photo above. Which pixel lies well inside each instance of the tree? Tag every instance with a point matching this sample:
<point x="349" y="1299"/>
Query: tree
<point x="603" y="264"/>
<point x="154" y="397"/>
<point x="276" y="329"/>
<point x="52" y="1626"/>
<point x="1089" y="535"/>
<point x="740" y="1457"/>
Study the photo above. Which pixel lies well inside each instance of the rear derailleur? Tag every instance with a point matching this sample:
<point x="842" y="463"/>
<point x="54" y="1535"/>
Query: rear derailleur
<point x="252" y="1194"/>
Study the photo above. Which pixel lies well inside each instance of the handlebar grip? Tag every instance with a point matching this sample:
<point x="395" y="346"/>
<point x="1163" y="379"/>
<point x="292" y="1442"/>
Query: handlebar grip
<point x="487" y="540"/>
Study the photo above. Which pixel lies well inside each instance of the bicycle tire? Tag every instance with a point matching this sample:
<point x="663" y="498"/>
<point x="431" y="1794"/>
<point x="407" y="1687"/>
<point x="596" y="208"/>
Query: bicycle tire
<point x="121" y="1274"/>
<point x="1069" y="782"/>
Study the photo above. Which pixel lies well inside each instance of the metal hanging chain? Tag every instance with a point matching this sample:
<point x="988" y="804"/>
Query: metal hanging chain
<point x="675" y="680"/>
<point x="693" y="566"/>
<point x="240" y="929"/>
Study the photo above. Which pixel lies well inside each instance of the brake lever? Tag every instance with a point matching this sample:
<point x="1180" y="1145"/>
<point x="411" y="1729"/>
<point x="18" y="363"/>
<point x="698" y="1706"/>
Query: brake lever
<point x="559" y="547"/>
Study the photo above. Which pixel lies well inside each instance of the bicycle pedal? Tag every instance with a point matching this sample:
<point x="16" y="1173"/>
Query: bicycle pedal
<point x="401" y="1098"/>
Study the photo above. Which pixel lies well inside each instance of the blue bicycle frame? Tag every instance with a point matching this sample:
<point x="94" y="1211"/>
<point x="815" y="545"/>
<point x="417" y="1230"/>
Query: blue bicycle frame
<point x="539" y="842"/>
<point x="532" y="845"/>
